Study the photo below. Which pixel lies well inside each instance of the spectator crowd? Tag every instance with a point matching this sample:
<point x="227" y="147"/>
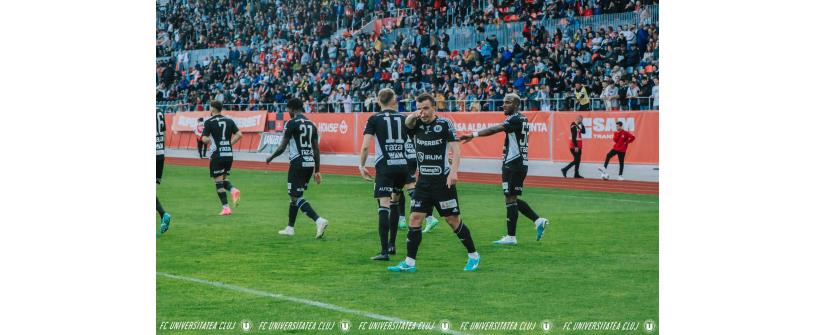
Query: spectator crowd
<point x="279" y="49"/>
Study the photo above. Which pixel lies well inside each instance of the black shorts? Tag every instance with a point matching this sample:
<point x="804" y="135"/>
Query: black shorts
<point x="389" y="182"/>
<point x="159" y="168"/>
<point x="298" y="179"/>
<point x="411" y="178"/>
<point x="220" y="166"/>
<point x="444" y="199"/>
<point x="512" y="179"/>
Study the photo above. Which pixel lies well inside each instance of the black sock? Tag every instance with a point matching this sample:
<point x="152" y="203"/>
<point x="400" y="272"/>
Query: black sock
<point x="384" y="226"/>
<point x="401" y="203"/>
<point x="159" y="208"/>
<point x="527" y="211"/>
<point x="306" y="208"/>
<point x="463" y="234"/>
<point x="292" y="212"/>
<point x="414" y="238"/>
<point x="394" y="223"/>
<point x="219" y="185"/>
<point x="228" y="185"/>
<point x="512" y="218"/>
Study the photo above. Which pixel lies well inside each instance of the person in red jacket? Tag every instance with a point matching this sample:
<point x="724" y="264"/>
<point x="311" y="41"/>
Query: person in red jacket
<point x="577" y="129"/>
<point x="621" y="140"/>
<point x="198" y="131"/>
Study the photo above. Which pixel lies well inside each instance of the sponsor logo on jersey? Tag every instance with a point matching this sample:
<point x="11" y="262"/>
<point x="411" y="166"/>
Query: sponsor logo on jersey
<point x="429" y="143"/>
<point x="452" y="203"/>
<point x="430" y="170"/>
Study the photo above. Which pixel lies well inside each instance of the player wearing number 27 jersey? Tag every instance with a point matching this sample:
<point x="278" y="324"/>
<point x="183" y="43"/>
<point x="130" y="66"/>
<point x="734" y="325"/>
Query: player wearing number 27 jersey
<point x="222" y="132"/>
<point x="515" y="166"/>
<point x="301" y="140"/>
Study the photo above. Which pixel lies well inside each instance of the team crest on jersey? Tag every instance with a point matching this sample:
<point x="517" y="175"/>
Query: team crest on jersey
<point x="437" y="128"/>
<point x="420" y="156"/>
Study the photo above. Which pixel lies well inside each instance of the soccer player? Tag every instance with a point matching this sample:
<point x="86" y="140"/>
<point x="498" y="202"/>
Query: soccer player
<point x="410" y="185"/>
<point x="304" y="160"/>
<point x="622" y="139"/>
<point x="223" y="133"/>
<point x="160" y="129"/>
<point x="198" y="131"/>
<point x="391" y="167"/>
<point x="515" y="166"/>
<point x="577" y="130"/>
<point x="436" y="186"/>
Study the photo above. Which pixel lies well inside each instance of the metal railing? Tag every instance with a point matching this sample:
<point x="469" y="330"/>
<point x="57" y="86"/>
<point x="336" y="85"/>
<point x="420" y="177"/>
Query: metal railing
<point x="468" y="36"/>
<point x="448" y="105"/>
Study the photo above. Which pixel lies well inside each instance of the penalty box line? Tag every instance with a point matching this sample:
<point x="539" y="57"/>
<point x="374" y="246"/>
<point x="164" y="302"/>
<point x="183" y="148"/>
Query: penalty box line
<point x="278" y="296"/>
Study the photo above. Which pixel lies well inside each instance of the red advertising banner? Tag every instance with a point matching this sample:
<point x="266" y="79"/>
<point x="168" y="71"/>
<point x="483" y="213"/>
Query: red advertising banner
<point x="600" y="127"/>
<point x="248" y="122"/>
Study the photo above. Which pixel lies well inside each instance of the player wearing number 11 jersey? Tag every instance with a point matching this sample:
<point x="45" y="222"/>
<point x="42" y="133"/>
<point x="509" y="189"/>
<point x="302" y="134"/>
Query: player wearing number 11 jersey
<point x="222" y="132"/>
<point x="515" y="166"/>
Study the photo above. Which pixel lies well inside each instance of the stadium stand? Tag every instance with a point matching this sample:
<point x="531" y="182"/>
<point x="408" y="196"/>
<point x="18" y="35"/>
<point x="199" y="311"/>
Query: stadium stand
<point x="253" y="55"/>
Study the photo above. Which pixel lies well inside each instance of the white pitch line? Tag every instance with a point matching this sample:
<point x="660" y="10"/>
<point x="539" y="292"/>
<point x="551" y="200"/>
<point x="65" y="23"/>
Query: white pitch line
<point x="303" y="301"/>
<point x="601" y="198"/>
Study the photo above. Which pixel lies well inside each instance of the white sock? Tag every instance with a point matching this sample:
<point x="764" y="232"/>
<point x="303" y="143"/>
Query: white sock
<point x="226" y="206"/>
<point x="410" y="261"/>
<point x="473" y="255"/>
<point x="429" y="218"/>
<point x="401" y="218"/>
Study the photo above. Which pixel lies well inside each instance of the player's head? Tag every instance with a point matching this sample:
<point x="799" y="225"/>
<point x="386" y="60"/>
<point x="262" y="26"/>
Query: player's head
<point x="215" y="107"/>
<point x="512" y="102"/>
<point x="427" y="107"/>
<point x="387" y="99"/>
<point x="579" y="119"/>
<point x="619" y="125"/>
<point x="295" y="106"/>
<point x="200" y="119"/>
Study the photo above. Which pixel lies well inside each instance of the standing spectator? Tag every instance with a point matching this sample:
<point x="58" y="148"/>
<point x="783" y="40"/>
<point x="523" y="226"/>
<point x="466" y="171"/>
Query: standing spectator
<point x="610" y="96"/>
<point x="633" y="94"/>
<point x="348" y="103"/>
<point x="581" y="97"/>
<point x="199" y="131"/>
<point x="655" y="93"/>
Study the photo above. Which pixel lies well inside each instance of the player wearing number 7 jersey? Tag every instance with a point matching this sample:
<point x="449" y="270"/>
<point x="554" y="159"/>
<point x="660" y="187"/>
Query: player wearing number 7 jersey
<point x="515" y="166"/>
<point x="300" y="138"/>
<point x="222" y="132"/>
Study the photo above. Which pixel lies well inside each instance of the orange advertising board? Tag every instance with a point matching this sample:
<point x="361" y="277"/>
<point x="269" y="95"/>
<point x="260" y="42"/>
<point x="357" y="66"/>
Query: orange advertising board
<point x="248" y="122"/>
<point x="600" y="127"/>
<point x="493" y="146"/>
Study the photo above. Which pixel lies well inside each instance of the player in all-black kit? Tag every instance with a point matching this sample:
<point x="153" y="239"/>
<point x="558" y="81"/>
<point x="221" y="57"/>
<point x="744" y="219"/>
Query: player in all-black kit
<point x="300" y="138"/>
<point x="515" y="166"/>
<point x="160" y="129"/>
<point x="434" y="137"/>
<point x="410" y="185"/>
<point x="224" y="133"/>
<point x="388" y="126"/>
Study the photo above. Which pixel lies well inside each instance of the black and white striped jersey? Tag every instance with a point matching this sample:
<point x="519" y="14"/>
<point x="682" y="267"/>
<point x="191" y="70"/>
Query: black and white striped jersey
<point x="302" y="135"/>
<point x="516" y="143"/>
<point x="389" y="129"/>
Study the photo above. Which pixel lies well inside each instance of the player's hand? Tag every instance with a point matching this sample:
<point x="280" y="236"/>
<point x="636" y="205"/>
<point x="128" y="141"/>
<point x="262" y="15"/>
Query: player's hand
<point x="269" y="160"/>
<point x="365" y="174"/>
<point x="466" y="138"/>
<point x="318" y="178"/>
<point x="576" y="149"/>
<point x="452" y="179"/>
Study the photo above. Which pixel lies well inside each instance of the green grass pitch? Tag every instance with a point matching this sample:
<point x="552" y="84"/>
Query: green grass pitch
<point x="597" y="262"/>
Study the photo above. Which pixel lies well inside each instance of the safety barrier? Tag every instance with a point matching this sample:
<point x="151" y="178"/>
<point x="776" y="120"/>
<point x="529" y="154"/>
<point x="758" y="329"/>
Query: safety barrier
<point x="549" y="133"/>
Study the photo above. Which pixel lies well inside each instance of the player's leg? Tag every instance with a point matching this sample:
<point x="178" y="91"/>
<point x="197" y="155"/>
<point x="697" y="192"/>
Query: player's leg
<point x="302" y="177"/>
<point x="578" y="154"/>
<point x="393" y="221"/>
<point x="291" y="186"/>
<point x="566" y="168"/>
<point x="234" y="191"/>
<point x="419" y="208"/>
<point x="384" y="227"/>
<point x="621" y="157"/>
<point x="603" y="172"/>
<point x="165" y="217"/>
<point x="402" y="221"/>
<point x="447" y="205"/>
<point x="511" y="206"/>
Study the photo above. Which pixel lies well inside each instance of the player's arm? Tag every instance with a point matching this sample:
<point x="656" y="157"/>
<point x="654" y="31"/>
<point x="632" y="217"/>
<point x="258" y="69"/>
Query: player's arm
<point x="455" y="147"/>
<point x="205" y="135"/>
<point x="411" y="120"/>
<point x="287" y="134"/>
<point x="499" y="128"/>
<point x="574" y="130"/>
<point x="315" y="144"/>
<point x="363" y="156"/>
<point x="236" y="137"/>
<point x="630" y="137"/>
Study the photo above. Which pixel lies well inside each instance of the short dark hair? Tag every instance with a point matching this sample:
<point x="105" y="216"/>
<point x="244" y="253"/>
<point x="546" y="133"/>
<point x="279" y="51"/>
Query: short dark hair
<point x="200" y="119"/>
<point x="620" y="123"/>
<point x="386" y="96"/>
<point x="217" y="105"/>
<point x="424" y="97"/>
<point x="295" y="104"/>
